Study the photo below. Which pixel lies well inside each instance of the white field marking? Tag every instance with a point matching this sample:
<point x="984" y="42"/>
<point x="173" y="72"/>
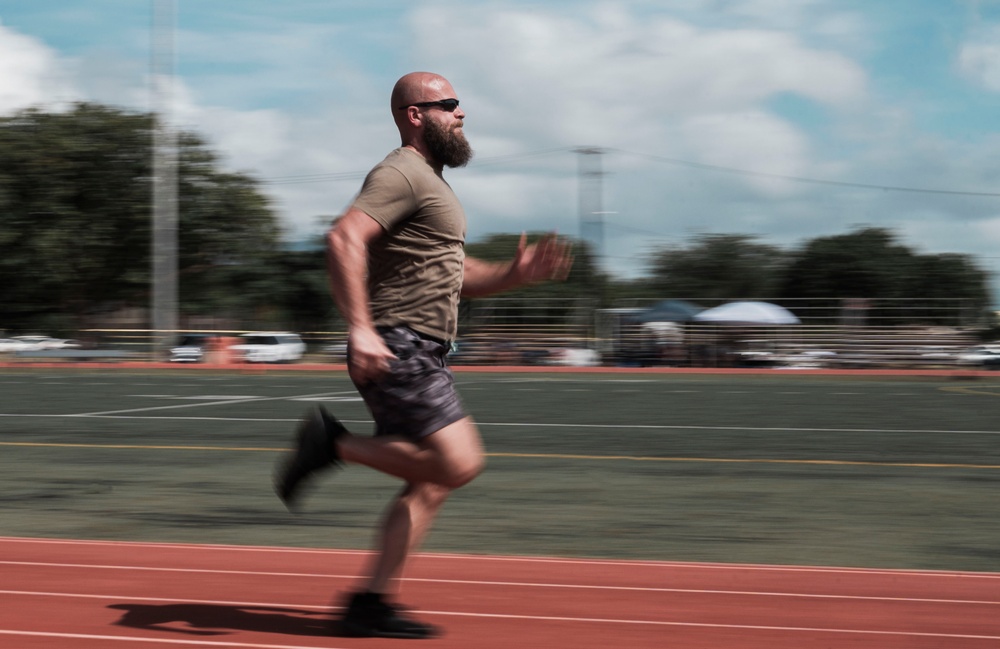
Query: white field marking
<point x="275" y="420"/>
<point x="536" y="379"/>
<point x="213" y="397"/>
<point x="238" y="397"/>
<point x="899" y="572"/>
<point x="544" y="618"/>
<point x="128" y="638"/>
<point x="515" y="584"/>
<point x="743" y="428"/>
<point x="118" y="414"/>
<point x="329" y="399"/>
<point x="208" y="403"/>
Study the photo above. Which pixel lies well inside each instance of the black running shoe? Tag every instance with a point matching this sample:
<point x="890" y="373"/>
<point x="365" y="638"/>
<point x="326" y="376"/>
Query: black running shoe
<point x="315" y="450"/>
<point x="368" y="616"/>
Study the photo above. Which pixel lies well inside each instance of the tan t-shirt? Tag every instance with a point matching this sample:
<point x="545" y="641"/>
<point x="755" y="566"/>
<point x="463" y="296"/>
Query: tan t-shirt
<point x="415" y="270"/>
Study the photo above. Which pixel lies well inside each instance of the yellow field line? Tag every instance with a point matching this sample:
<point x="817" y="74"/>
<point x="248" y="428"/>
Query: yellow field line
<point x="961" y="389"/>
<point x="144" y="447"/>
<point x="925" y="465"/>
<point x="547" y="456"/>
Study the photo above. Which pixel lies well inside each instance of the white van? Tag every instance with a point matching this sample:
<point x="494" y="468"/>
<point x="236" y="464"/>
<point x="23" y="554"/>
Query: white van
<point x="270" y="347"/>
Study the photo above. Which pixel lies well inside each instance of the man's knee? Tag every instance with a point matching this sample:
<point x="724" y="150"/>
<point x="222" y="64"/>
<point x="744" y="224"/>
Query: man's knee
<point x="461" y="452"/>
<point x="462" y="473"/>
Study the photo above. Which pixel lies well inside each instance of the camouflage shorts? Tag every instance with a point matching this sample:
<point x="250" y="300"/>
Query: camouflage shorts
<point x="417" y="397"/>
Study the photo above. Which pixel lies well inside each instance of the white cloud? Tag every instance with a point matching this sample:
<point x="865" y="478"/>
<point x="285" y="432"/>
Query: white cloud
<point x="751" y="140"/>
<point x="661" y="86"/>
<point x="32" y="74"/>
<point x="979" y="59"/>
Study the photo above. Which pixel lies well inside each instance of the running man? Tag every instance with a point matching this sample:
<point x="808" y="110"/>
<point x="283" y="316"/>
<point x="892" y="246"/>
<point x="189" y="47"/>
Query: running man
<point x="397" y="270"/>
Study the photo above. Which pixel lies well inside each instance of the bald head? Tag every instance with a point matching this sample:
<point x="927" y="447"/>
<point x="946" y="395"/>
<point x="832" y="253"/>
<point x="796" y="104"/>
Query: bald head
<point x="416" y="87"/>
<point x="426" y="125"/>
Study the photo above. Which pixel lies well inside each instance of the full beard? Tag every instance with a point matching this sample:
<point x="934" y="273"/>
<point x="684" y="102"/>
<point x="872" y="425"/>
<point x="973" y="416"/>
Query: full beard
<point x="449" y="148"/>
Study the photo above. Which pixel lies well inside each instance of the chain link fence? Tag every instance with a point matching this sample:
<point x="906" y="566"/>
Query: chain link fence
<point x="834" y="333"/>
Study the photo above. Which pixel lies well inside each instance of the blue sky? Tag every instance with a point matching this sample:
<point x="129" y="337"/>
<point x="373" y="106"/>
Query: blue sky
<point x="715" y="115"/>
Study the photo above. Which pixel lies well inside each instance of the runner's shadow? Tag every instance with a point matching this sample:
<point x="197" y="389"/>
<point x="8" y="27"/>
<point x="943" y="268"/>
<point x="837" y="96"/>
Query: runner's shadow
<point x="218" y="619"/>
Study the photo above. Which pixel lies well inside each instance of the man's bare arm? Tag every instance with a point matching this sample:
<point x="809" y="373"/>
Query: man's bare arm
<point x="548" y="259"/>
<point x="347" y="264"/>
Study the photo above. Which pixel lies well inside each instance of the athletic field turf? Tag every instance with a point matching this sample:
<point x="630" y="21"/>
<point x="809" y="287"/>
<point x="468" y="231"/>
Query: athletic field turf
<point x="777" y="468"/>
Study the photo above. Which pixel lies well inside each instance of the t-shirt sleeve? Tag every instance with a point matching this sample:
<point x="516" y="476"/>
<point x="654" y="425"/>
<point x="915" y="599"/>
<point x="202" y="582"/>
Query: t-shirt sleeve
<point x="386" y="196"/>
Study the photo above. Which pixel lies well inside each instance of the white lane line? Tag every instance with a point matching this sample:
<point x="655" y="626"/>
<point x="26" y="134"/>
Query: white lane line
<point x="127" y="638"/>
<point x="624" y="563"/>
<point x="514" y="584"/>
<point x="543" y="618"/>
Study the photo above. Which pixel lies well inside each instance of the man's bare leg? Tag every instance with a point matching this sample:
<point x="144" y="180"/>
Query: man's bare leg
<point x="407" y="521"/>
<point x="451" y="457"/>
<point x="443" y="461"/>
<point x="446" y="460"/>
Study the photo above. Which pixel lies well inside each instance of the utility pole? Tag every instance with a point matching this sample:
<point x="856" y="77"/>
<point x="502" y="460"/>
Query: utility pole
<point x="163" y="306"/>
<point x="591" y="186"/>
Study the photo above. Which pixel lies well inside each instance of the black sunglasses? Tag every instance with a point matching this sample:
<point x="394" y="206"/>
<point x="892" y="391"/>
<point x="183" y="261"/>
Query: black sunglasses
<point x="448" y="105"/>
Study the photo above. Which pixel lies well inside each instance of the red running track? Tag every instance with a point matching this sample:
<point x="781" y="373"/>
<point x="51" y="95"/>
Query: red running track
<point x="121" y="595"/>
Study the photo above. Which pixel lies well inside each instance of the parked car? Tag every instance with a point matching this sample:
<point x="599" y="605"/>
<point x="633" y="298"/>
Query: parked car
<point x="36" y="343"/>
<point x="11" y="345"/>
<point x="982" y="355"/>
<point x="270" y="347"/>
<point x="573" y="357"/>
<point x="190" y="348"/>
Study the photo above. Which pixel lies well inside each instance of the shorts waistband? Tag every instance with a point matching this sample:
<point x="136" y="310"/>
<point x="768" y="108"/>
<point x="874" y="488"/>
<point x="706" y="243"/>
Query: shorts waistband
<point x="433" y="339"/>
<point x="419" y="334"/>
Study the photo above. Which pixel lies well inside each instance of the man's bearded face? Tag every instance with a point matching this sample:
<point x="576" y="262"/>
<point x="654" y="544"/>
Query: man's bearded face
<point x="447" y="146"/>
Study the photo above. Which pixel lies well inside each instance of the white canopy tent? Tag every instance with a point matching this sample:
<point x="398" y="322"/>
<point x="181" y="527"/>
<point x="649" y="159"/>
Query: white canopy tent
<point x="747" y="313"/>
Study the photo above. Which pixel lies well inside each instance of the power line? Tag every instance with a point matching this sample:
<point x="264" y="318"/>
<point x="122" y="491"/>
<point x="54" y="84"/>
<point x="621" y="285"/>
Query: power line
<point x="359" y="175"/>
<point x="517" y="157"/>
<point x="314" y="178"/>
<point x="802" y="179"/>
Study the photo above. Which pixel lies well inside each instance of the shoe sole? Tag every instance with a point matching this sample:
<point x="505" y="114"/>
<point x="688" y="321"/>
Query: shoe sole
<point x="357" y="631"/>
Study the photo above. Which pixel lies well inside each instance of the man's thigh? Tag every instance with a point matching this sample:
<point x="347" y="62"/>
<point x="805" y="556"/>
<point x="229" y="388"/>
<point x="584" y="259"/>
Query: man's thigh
<point x="460" y="448"/>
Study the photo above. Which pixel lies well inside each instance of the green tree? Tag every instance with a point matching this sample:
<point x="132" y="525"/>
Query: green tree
<point x="74" y="216"/>
<point x="716" y="267"/>
<point x="75" y="191"/>
<point x="903" y="285"/>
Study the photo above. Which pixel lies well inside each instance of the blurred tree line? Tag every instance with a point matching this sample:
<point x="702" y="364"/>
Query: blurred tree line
<point x="75" y="192"/>
<point x="867" y="265"/>
<point x="75" y="206"/>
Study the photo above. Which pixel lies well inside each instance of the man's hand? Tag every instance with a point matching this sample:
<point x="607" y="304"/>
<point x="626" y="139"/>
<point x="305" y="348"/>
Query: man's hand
<point x="547" y="259"/>
<point x="369" y="358"/>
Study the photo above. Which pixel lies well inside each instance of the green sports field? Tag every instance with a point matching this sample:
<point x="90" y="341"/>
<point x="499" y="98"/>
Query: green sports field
<point x="770" y="468"/>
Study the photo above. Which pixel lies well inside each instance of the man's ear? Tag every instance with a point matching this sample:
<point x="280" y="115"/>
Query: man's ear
<point x="413" y="116"/>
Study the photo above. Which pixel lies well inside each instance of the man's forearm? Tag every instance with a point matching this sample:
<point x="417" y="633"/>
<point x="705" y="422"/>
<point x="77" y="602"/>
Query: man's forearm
<point x="347" y="262"/>
<point x="548" y="258"/>
<point x="485" y="278"/>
